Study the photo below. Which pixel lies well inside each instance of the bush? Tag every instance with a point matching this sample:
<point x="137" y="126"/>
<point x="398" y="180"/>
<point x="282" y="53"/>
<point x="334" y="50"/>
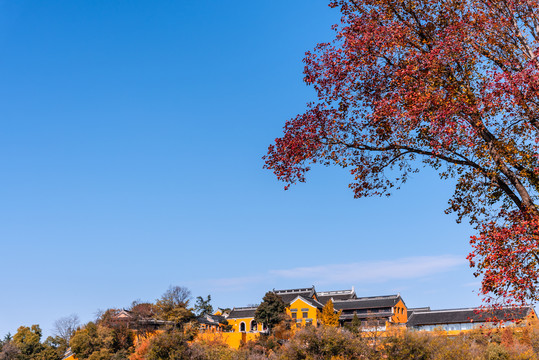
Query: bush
<point x="325" y="343"/>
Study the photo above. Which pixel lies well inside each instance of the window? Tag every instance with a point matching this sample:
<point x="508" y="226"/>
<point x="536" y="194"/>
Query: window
<point x="253" y="326"/>
<point x="242" y="327"/>
<point x="305" y="315"/>
<point x="294" y="315"/>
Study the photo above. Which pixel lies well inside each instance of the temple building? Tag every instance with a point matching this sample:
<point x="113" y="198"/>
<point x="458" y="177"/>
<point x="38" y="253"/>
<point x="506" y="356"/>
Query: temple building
<point x="303" y="305"/>
<point x="457" y="320"/>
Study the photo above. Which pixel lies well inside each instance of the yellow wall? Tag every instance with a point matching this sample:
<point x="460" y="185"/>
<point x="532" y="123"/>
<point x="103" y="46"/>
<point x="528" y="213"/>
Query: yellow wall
<point x="299" y="304"/>
<point x="236" y="324"/>
<point x="232" y="339"/>
<point x="401" y="314"/>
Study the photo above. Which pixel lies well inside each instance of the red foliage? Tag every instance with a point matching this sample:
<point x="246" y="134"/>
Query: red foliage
<point x="450" y="84"/>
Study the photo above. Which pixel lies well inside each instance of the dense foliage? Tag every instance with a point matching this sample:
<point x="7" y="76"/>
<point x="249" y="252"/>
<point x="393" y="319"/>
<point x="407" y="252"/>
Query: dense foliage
<point x="448" y="84"/>
<point x="98" y="341"/>
<point x="26" y="344"/>
<point x="271" y="311"/>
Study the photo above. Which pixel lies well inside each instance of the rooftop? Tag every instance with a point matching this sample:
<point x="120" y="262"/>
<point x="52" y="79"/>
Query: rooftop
<point x="465" y="315"/>
<point x="370" y="302"/>
<point x="288" y="295"/>
<point x="242" y="312"/>
<point x="324" y="296"/>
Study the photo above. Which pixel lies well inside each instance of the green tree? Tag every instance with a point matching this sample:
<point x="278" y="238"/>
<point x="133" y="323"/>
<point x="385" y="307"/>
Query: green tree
<point x="328" y="316"/>
<point x="28" y="340"/>
<point x="203" y="307"/>
<point x="271" y="311"/>
<point x="355" y="325"/>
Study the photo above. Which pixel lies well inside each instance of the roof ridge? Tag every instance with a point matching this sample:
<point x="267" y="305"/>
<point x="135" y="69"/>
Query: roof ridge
<point x="244" y="308"/>
<point x="334" y="292"/>
<point x="471" y="308"/>
<point x="371" y="298"/>
<point x="291" y="291"/>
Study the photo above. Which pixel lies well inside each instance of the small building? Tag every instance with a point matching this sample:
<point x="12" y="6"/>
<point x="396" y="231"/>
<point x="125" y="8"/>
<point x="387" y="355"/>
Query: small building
<point x="242" y="319"/>
<point x="211" y="323"/>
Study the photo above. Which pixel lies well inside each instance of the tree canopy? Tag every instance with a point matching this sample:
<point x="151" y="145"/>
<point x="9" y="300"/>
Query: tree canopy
<point x="328" y="316"/>
<point x="203" y="306"/>
<point x="271" y="311"/>
<point x="174" y="305"/>
<point x="448" y="84"/>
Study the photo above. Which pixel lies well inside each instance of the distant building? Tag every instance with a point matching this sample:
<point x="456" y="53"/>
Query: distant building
<point x="211" y="322"/>
<point x="457" y="320"/>
<point x="242" y="319"/>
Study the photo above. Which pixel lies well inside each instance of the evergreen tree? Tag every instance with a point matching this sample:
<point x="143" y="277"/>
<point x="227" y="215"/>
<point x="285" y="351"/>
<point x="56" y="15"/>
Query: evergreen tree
<point x="354" y="325"/>
<point x="271" y="311"/>
<point x="203" y="307"/>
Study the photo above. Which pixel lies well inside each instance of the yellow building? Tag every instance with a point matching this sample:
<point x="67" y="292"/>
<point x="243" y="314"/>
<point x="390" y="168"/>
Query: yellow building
<point x="242" y="319"/>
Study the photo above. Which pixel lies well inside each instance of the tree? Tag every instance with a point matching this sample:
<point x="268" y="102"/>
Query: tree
<point x="203" y="307"/>
<point x="28" y="340"/>
<point x="325" y="343"/>
<point x="66" y="326"/>
<point x="354" y="325"/>
<point x="447" y="84"/>
<point x="103" y="340"/>
<point x="174" y="305"/>
<point x="328" y="316"/>
<point x="271" y="311"/>
<point x="168" y="345"/>
<point x="9" y="351"/>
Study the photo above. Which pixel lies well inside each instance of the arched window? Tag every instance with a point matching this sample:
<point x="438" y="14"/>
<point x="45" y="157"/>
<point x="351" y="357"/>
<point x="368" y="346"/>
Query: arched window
<point x="253" y="325"/>
<point x="242" y="327"/>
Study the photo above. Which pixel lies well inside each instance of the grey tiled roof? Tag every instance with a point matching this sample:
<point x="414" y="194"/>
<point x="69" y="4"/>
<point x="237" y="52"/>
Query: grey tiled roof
<point x="324" y="296"/>
<point x="379" y="315"/>
<point x="210" y="319"/>
<point x="411" y="310"/>
<point x="242" y="312"/>
<point x="373" y="302"/>
<point x="288" y="295"/>
<point x="453" y="316"/>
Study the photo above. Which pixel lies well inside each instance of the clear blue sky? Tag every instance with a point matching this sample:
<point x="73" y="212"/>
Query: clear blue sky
<point x="130" y="150"/>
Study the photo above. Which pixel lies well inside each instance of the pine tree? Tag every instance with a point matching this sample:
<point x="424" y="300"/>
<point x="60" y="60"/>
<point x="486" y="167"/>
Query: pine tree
<point x="271" y="311"/>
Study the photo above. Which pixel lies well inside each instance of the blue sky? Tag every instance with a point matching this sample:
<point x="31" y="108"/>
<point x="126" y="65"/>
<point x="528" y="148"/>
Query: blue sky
<point x="130" y="146"/>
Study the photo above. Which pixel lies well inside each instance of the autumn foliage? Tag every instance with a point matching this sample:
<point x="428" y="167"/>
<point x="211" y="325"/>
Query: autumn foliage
<point x="450" y="84"/>
<point x="328" y="316"/>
